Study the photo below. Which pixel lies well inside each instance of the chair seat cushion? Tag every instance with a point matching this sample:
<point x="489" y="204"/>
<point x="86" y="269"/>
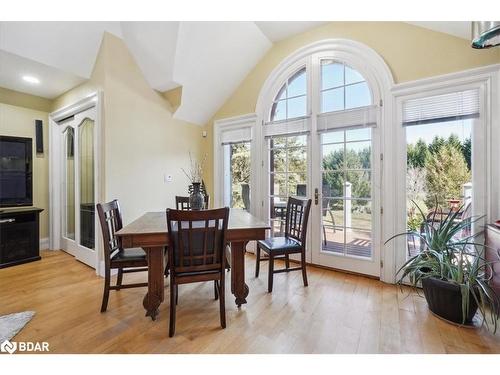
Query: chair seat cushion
<point x="279" y="244"/>
<point x="132" y="254"/>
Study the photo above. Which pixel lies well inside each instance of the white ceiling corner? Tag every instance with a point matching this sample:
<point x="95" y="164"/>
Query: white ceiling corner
<point x="53" y="81"/>
<point x="69" y="46"/>
<point x="212" y="59"/>
<point x="153" y="45"/>
<point x="279" y="30"/>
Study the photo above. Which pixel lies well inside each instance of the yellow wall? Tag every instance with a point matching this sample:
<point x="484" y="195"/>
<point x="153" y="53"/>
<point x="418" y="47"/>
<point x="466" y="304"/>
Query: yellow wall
<point x="20" y="99"/>
<point x="20" y="122"/>
<point x="142" y="142"/>
<point x="174" y="97"/>
<point x="411" y="53"/>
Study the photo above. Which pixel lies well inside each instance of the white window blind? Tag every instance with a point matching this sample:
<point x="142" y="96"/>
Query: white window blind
<point x="286" y="127"/>
<point x="238" y="135"/>
<point x="352" y="118"/>
<point x="440" y="108"/>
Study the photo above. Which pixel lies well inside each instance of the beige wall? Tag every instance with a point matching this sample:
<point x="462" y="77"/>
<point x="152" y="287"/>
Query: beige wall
<point x="20" y="122"/>
<point x="410" y="52"/>
<point x="20" y="99"/>
<point x="142" y="142"/>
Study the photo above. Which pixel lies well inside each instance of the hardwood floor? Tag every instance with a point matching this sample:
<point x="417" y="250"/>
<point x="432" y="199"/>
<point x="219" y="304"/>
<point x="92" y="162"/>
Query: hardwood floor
<point x="337" y="313"/>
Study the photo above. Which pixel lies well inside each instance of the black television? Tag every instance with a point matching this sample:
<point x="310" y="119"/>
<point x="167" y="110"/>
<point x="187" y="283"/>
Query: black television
<point x="16" y="171"/>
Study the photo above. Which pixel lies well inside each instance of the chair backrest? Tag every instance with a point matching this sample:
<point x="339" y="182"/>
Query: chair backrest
<point x="197" y="240"/>
<point x="110" y="218"/>
<point x="245" y="195"/>
<point x="301" y="190"/>
<point x="182" y="203"/>
<point x="297" y="216"/>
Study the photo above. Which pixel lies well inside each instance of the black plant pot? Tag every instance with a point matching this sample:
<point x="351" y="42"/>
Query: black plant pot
<point x="445" y="300"/>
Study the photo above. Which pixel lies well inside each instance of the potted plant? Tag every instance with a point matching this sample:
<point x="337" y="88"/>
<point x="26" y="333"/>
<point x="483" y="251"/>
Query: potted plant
<point x="451" y="269"/>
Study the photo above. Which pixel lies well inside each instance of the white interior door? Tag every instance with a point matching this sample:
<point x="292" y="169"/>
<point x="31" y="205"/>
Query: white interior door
<point x="78" y="186"/>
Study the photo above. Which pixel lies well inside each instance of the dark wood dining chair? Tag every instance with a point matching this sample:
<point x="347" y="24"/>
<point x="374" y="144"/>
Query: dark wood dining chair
<point x="294" y="241"/>
<point x="197" y="253"/>
<point x="115" y="257"/>
<point x="182" y="203"/>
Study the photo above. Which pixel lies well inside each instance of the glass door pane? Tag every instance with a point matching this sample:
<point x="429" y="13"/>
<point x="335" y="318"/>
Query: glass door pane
<point x="86" y="178"/>
<point x="69" y="176"/>
<point x="287" y="175"/>
<point x="237" y="181"/>
<point x="439" y="171"/>
<point x="346" y="204"/>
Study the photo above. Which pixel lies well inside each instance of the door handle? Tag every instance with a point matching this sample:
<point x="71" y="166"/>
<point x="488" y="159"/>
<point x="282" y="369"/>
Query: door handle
<point x="316" y="196"/>
<point x="3" y="221"/>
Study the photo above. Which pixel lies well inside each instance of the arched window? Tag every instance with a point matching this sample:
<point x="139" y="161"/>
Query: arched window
<point x="342" y="87"/>
<point x="323" y="145"/>
<point x="321" y="113"/>
<point x="291" y="101"/>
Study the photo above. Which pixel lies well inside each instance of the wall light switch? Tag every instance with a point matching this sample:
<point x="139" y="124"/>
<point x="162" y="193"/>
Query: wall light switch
<point x="168" y="178"/>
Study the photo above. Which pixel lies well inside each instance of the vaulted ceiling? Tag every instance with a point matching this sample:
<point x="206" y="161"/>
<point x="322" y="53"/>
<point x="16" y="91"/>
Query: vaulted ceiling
<point x="208" y="59"/>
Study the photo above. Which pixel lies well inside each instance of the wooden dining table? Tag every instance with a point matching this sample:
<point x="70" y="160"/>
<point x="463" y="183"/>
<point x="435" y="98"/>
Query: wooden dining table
<point x="150" y="233"/>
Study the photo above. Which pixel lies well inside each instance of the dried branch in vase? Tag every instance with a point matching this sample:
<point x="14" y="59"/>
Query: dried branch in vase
<point x="195" y="172"/>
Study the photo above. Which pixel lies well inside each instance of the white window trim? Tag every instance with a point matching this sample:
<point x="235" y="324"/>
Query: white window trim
<point x="244" y="121"/>
<point x="486" y="80"/>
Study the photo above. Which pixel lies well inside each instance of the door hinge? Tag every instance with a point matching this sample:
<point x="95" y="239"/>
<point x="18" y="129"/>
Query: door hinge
<point x="381" y="103"/>
<point x="382" y="157"/>
<point x="262" y="163"/>
<point x="381" y="210"/>
<point x="381" y="264"/>
<point x="262" y="204"/>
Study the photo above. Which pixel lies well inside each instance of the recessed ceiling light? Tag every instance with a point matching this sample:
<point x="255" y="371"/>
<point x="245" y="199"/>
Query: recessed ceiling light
<point x="31" y="79"/>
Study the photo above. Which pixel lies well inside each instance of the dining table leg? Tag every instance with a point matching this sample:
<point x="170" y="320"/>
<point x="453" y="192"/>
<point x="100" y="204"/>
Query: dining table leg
<point x="155" y="295"/>
<point x="238" y="286"/>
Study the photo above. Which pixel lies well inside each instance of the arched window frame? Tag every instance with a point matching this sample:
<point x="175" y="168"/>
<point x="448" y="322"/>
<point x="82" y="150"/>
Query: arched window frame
<point x="379" y="78"/>
<point x="287" y="98"/>
<point x="344" y="86"/>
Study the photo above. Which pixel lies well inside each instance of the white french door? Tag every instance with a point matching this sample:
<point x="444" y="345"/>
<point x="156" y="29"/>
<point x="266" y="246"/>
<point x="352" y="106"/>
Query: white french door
<point x="346" y="204"/>
<point x="78" y="182"/>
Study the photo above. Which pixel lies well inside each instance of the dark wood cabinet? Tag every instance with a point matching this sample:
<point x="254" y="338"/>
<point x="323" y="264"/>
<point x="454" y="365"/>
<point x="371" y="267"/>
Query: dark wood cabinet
<point x="19" y="235"/>
<point x="492" y="234"/>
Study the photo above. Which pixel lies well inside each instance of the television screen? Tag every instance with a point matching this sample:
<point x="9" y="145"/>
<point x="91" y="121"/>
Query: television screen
<point x="16" y="187"/>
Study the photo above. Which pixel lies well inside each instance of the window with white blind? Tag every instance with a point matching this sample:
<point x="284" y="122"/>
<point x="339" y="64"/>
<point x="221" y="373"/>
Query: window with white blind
<point x="440" y="166"/>
<point x="453" y="106"/>
<point x="234" y="153"/>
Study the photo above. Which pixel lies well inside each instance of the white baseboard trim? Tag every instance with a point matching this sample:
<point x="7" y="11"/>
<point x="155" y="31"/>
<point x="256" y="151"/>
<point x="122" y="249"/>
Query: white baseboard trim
<point x="44" y="243"/>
